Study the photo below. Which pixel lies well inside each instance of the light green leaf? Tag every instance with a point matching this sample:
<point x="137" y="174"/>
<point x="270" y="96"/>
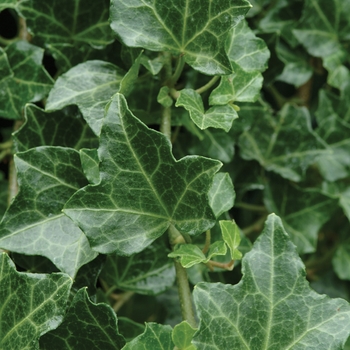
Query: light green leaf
<point x="30" y="304"/>
<point x="182" y="336"/>
<point x="230" y="234"/>
<point x="215" y="249"/>
<point x="62" y="21"/>
<point x="216" y="117"/>
<point x="89" y="85"/>
<point x="34" y="223"/>
<point x="53" y="129"/>
<point x="85" y="326"/>
<point x="155" y="337"/>
<point x="286" y="144"/>
<point x="24" y="80"/>
<point x="143" y="188"/>
<point x="272" y="299"/>
<point x="8" y="4"/>
<point x="188" y="254"/>
<point x="303" y="212"/>
<point x="196" y="30"/>
<point x="153" y="65"/>
<point x="90" y="164"/>
<point x="149" y="272"/>
<point x="341" y="260"/>
<point x="163" y="97"/>
<point x="221" y="194"/>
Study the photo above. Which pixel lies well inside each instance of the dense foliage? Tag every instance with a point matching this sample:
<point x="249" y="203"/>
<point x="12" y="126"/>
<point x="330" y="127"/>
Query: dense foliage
<point x="174" y="174"/>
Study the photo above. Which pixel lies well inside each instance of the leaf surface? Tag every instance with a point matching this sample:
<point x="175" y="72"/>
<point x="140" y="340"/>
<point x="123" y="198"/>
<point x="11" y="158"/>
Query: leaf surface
<point x="195" y="29"/>
<point x="182" y="336"/>
<point x="143" y="189"/>
<point x="30" y="305"/>
<point x="34" y="223"/>
<point x="230" y="234"/>
<point x="272" y="298"/>
<point x="85" y="326"/>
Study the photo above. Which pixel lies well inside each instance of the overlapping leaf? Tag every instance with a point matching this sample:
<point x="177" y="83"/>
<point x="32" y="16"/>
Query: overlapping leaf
<point x="149" y="272"/>
<point x="23" y="79"/>
<point x="272" y="299"/>
<point x="195" y="29"/>
<point x="286" y="144"/>
<point x="67" y="21"/>
<point x="34" y="223"/>
<point x="143" y="189"/>
<point x="53" y="129"/>
<point x="85" y="326"/>
<point x="89" y="85"/>
<point x="30" y="305"/>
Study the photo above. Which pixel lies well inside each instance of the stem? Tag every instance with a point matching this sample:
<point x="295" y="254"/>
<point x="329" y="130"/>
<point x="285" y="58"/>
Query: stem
<point x="165" y="124"/>
<point x="251" y="207"/>
<point x="178" y="70"/>
<point x="123" y="298"/>
<point x="226" y="266"/>
<point x="208" y="85"/>
<point x="207" y="242"/>
<point x="255" y="227"/>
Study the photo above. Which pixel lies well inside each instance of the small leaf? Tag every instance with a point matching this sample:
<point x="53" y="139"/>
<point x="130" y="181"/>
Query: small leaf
<point x="163" y="97"/>
<point x="221" y="194"/>
<point x="341" y="260"/>
<point x="155" y="337"/>
<point x="89" y="85"/>
<point x="90" y="164"/>
<point x="216" y="117"/>
<point x="129" y="79"/>
<point x="189" y="255"/>
<point x="182" y="336"/>
<point x="34" y="223"/>
<point x="232" y="237"/>
<point x="30" y="304"/>
<point x="143" y="189"/>
<point x="216" y="249"/>
<point x="85" y="326"/>
<point x="195" y="30"/>
<point x="272" y="298"/>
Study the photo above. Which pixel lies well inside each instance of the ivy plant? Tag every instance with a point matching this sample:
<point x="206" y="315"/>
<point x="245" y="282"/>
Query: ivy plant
<point x="174" y="174"/>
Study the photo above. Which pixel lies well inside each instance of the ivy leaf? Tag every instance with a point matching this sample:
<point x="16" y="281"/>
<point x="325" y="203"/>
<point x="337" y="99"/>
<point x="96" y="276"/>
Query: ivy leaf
<point x="341" y="260"/>
<point x="303" y="211"/>
<point x="41" y="308"/>
<point x="188" y="254"/>
<point x="196" y="30"/>
<point x="286" y="144"/>
<point x="155" y="337"/>
<point x="230" y="234"/>
<point x="216" y="117"/>
<point x="221" y="194"/>
<point x="53" y="129"/>
<point x="182" y="336"/>
<point x="89" y="85"/>
<point x="90" y="164"/>
<point x="34" y="223"/>
<point x="163" y="97"/>
<point x="62" y="21"/>
<point x="129" y="79"/>
<point x="137" y="198"/>
<point x="85" y="326"/>
<point x="272" y="298"/>
<point x="24" y="80"/>
<point x="149" y="272"/>
<point x="8" y="4"/>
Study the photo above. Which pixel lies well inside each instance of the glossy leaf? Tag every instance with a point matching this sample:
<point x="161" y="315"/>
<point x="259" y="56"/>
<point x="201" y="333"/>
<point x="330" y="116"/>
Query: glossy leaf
<point x="221" y="194"/>
<point x="196" y="30"/>
<point x="286" y="144"/>
<point x="23" y="78"/>
<point x="155" y="337"/>
<point x="272" y="298"/>
<point x="216" y="117"/>
<point x="89" y="85"/>
<point x="137" y="199"/>
<point x="163" y="97"/>
<point x="34" y="223"/>
<point x="230" y="234"/>
<point x="182" y="336"/>
<point x="62" y="21"/>
<point x="149" y="272"/>
<point x="85" y="326"/>
<point x="303" y="212"/>
<point x="188" y="255"/>
<point x="53" y="129"/>
<point x="30" y="304"/>
<point x="90" y="164"/>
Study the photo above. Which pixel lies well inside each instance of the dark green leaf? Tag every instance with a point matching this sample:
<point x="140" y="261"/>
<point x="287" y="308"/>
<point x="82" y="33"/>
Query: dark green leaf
<point x="129" y="328"/>
<point x="30" y="304"/>
<point x="272" y="299"/>
<point x="27" y="81"/>
<point x="341" y="261"/>
<point x="129" y="79"/>
<point x="89" y="85"/>
<point x="149" y="272"/>
<point x="143" y="189"/>
<point x="85" y="326"/>
<point x="66" y="21"/>
<point x="34" y="223"/>
<point x="195" y="29"/>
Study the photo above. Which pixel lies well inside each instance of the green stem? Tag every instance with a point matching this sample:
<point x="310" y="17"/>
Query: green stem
<point x="165" y="124"/>
<point x="208" y="85"/>
<point x="178" y="71"/>
<point x="207" y="242"/>
<point x="251" y="207"/>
